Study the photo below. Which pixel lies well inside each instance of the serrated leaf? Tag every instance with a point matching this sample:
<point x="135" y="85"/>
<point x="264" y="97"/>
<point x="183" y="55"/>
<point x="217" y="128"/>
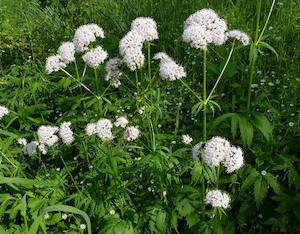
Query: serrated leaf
<point x="272" y="181"/>
<point x="249" y="181"/>
<point x="260" y="190"/>
<point x="197" y="173"/>
<point x="246" y="130"/>
<point x="263" y="125"/>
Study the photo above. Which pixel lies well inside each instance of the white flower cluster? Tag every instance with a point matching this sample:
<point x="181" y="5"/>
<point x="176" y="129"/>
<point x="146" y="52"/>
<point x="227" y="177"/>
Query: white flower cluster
<point x="218" y="150"/>
<point x="65" y="133"/>
<point x="131" y="133"/>
<point x="206" y="27"/>
<point x="47" y="135"/>
<point x="94" y="57"/>
<point x="238" y="35"/>
<point x="217" y="199"/>
<point x="113" y="72"/>
<point x="67" y="52"/>
<point x="130" y="47"/>
<point x="3" y="111"/>
<point x="54" y="63"/>
<point x="121" y="122"/>
<point x="85" y="35"/>
<point x="146" y="27"/>
<point x="186" y="139"/>
<point x="168" y="68"/>
<point x="102" y="128"/>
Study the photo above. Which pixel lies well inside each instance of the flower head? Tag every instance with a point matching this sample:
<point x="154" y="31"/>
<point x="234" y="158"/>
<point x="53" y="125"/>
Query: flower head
<point x="3" y="111"/>
<point x="22" y="141"/>
<point x="131" y="133"/>
<point x="239" y="35"/>
<point x="54" y="63"/>
<point x="121" y="122"/>
<point x="186" y="139"/>
<point x="103" y="129"/>
<point x="67" y="52"/>
<point x="94" y="57"/>
<point x="217" y="198"/>
<point x="90" y="129"/>
<point x="85" y="35"/>
<point x="234" y="160"/>
<point x="215" y="151"/>
<point x="130" y="48"/>
<point x="65" y="133"/>
<point x="204" y="27"/>
<point x="46" y="135"/>
<point x="113" y="72"/>
<point x="168" y="68"/>
<point x="146" y="27"/>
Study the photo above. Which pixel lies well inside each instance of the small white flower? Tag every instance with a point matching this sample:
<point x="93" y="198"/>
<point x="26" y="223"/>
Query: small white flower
<point x="141" y="110"/>
<point x="239" y="35"/>
<point x="146" y="27"/>
<point x="112" y="212"/>
<point x="65" y="133"/>
<point x="186" y="139"/>
<point x="54" y="63"/>
<point x="263" y="173"/>
<point x="291" y="124"/>
<point x="3" y="111"/>
<point x="82" y="226"/>
<point x="43" y="148"/>
<point x="217" y="198"/>
<point x="64" y="216"/>
<point x="164" y="193"/>
<point x="67" y="52"/>
<point x="46" y="216"/>
<point x="22" y="141"/>
<point x="94" y="57"/>
<point x="121" y="122"/>
<point x="131" y="133"/>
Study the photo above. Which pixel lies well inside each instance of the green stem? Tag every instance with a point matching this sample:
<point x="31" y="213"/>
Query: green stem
<point x="252" y="66"/>
<point x="204" y="94"/>
<point x="267" y="21"/>
<point x="149" y="59"/>
<point x="69" y="173"/>
<point x="96" y="81"/>
<point x="137" y="82"/>
<point x="258" y="10"/>
<point x="82" y="84"/>
<point x="221" y="74"/>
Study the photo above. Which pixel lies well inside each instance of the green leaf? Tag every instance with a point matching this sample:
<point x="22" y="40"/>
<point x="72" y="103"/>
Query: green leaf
<point x="272" y="181"/>
<point x="197" y="172"/>
<point x="249" y="180"/>
<point x="220" y="119"/>
<point x="263" y="125"/>
<point x="260" y="190"/>
<point x="246" y="130"/>
<point x="268" y="46"/>
<point x="234" y="125"/>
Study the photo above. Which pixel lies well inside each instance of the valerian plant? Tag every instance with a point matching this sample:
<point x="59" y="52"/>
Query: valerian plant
<point x="99" y="157"/>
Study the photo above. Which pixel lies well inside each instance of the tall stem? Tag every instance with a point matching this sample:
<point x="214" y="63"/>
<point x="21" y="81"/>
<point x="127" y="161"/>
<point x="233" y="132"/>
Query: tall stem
<point x="96" y="81"/>
<point x="204" y="94"/>
<point x="149" y="59"/>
